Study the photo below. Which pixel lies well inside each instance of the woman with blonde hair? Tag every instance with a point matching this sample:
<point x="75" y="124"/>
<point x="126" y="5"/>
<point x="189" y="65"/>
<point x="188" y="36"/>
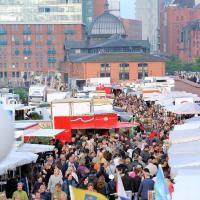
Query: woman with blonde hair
<point x="54" y="179"/>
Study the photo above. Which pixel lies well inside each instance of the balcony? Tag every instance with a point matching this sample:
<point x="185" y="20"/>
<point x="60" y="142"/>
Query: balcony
<point x="3" y="32"/>
<point x="49" y="42"/>
<point x="52" y="52"/>
<point x="3" y="42"/>
<point x="27" y="42"/>
<point x="51" y="60"/>
<point x="17" y="52"/>
<point x="27" y="52"/>
<point x="49" y="32"/>
<point x="69" y="32"/>
<point x="27" y="32"/>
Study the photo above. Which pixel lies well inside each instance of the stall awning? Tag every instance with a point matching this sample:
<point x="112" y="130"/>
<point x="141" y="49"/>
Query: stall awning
<point x="118" y="125"/>
<point x="16" y="159"/>
<point x="35" y="148"/>
<point x="45" y="133"/>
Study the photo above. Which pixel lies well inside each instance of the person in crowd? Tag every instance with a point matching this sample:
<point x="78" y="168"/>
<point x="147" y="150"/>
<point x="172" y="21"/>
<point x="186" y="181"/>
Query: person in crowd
<point x="44" y="194"/>
<point x="37" y="184"/>
<point x="68" y="181"/>
<point x="146" y="185"/>
<point x="20" y="193"/>
<point x="102" y="186"/>
<point x="58" y="194"/>
<point x="54" y="179"/>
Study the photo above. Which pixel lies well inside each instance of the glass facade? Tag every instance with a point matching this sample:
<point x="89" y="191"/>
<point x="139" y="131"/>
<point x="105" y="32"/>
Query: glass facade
<point x="88" y="12"/>
<point x="41" y="11"/>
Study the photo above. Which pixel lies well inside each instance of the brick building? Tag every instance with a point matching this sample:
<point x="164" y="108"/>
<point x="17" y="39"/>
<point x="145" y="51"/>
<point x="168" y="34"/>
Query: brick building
<point x="190" y="42"/>
<point x="133" y="29"/>
<point x="32" y="36"/>
<point x="107" y="52"/>
<point x="172" y="20"/>
<point x="120" y="67"/>
<point x="177" y="24"/>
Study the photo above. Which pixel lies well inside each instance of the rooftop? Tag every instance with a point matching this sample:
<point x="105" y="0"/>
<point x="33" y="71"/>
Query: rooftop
<point x="118" y="57"/>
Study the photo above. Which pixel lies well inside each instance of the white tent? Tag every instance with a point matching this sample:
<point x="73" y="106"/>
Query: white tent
<point x="44" y="133"/>
<point x="184" y="160"/>
<point x="185" y="148"/>
<point x="193" y="119"/>
<point x="16" y="159"/>
<point x="182" y="136"/>
<point x="187" y="185"/>
<point x="35" y="148"/>
<point x="184" y="108"/>
<point x="187" y="126"/>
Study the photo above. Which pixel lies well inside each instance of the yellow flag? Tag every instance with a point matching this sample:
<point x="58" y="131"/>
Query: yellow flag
<point x="79" y="194"/>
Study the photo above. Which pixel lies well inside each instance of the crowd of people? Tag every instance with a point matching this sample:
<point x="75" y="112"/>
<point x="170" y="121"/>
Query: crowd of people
<point x="90" y="161"/>
<point x="191" y="76"/>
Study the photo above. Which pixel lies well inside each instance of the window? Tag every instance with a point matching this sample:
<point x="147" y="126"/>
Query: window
<point x="105" y="70"/>
<point x="1" y="74"/>
<point x="124" y="71"/>
<point x="17" y="74"/>
<point x="13" y="74"/>
<point x="142" y="70"/>
<point x="5" y="74"/>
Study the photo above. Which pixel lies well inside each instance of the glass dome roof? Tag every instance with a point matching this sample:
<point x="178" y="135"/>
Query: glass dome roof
<point x="107" y="24"/>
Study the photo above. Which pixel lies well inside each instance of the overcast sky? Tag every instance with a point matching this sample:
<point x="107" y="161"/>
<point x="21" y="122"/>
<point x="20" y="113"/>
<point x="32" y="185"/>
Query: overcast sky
<point x="127" y="8"/>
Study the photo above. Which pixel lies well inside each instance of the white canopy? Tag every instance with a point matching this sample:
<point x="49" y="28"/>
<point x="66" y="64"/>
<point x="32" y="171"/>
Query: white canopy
<point x="35" y="148"/>
<point x="16" y="159"/>
<point x="185" y="148"/>
<point x="193" y="119"/>
<point x="186" y="185"/>
<point x="182" y="136"/>
<point x="184" y="160"/>
<point x="187" y="126"/>
<point x="44" y="133"/>
<point x="24" y="125"/>
<point x="184" y="108"/>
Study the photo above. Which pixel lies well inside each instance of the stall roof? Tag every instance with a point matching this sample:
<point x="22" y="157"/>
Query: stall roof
<point x="184" y="108"/>
<point x="16" y="159"/>
<point x="35" y="148"/>
<point x="45" y="133"/>
<point x="108" y="126"/>
<point x="25" y="107"/>
<point x="24" y="125"/>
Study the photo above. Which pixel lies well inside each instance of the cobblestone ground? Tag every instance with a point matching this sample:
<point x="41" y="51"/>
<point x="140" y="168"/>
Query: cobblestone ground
<point x="182" y="85"/>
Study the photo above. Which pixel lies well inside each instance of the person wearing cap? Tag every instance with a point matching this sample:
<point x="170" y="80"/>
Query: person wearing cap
<point x="146" y="185"/>
<point x="20" y="193"/>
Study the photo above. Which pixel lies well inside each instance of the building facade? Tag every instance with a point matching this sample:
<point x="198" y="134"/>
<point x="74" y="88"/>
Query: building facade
<point x="147" y="11"/>
<point x="190" y="42"/>
<point x="108" y="53"/>
<point x="120" y="67"/>
<point x="175" y="23"/>
<point x="133" y="29"/>
<point x="32" y="36"/>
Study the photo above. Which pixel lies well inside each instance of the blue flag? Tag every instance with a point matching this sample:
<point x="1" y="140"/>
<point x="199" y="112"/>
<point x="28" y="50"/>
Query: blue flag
<point x="160" y="187"/>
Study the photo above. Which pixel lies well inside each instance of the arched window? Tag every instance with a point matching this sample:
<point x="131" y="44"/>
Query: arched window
<point x="105" y="70"/>
<point x="124" y="71"/>
<point x="142" y="70"/>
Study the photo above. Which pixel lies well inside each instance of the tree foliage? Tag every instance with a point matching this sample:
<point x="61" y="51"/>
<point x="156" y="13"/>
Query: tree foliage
<point x="35" y="116"/>
<point x="23" y="95"/>
<point x="175" y="64"/>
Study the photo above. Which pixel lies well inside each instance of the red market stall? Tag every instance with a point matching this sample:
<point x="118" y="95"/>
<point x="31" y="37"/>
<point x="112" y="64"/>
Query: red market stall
<point x="93" y="121"/>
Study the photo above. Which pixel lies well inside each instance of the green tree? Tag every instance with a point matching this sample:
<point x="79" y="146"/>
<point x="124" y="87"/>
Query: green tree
<point x="23" y="94"/>
<point x="173" y="64"/>
<point x="35" y="116"/>
<point x="196" y="65"/>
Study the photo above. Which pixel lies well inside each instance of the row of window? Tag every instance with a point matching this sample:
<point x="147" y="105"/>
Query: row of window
<point x="124" y="71"/>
